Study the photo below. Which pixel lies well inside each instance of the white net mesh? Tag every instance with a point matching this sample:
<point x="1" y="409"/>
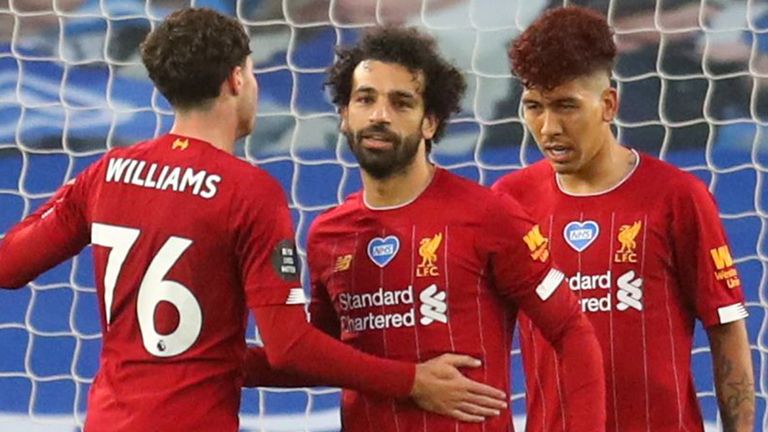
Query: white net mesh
<point x="693" y="78"/>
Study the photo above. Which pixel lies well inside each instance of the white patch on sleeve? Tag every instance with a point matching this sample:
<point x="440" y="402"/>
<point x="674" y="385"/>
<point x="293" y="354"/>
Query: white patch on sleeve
<point x="296" y="296"/>
<point x="732" y="313"/>
<point x="550" y="283"/>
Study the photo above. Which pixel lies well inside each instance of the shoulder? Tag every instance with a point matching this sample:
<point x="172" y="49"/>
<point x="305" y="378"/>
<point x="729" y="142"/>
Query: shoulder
<point x="526" y="180"/>
<point x="332" y="219"/>
<point x="452" y="188"/>
<point x="676" y="183"/>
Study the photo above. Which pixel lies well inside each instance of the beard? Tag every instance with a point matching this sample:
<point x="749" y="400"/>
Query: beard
<point x="383" y="163"/>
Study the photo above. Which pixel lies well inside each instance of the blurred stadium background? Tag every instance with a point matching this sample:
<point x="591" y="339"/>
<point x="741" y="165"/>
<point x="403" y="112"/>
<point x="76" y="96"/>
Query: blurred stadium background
<point x="693" y="78"/>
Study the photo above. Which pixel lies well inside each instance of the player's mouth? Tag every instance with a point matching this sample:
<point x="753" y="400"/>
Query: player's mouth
<point x="377" y="141"/>
<point x="558" y="153"/>
<point x="376" y="144"/>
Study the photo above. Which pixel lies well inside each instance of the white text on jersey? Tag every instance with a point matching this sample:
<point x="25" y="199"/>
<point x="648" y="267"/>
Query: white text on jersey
<point x="162" y="177"/>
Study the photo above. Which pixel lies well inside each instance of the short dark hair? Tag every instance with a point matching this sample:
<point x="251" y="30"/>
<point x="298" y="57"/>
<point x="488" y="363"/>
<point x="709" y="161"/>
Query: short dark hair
<point x="444" y="83"/>
<point x="561" y="45"/>
<point x="191" y="53"/>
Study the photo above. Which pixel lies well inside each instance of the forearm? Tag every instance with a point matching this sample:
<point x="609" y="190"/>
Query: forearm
<point x="734" y="381"/>
<point x="560" y="320"/>
<point x="258" y="372"/>
<point x="293" y="345"/>
<point x="584" y="377"/>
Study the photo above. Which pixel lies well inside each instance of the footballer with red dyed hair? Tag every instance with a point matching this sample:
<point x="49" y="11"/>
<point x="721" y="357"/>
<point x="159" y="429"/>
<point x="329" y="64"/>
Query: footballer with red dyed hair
<point x="640" y="242"/>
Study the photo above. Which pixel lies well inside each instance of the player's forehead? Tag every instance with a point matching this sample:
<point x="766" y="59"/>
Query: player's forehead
<point x="374" y="76"/>
<point x="591" y="85"/>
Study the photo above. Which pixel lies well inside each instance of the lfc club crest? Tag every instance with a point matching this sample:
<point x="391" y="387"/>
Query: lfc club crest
<point x="626" y="237"/>
<point x="428" y="251"/>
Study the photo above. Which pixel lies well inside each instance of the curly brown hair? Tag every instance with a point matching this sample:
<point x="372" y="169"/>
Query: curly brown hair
<point x="411" y="49"/>
<point x="561" y="45"/>
<point x="191" y="53"/>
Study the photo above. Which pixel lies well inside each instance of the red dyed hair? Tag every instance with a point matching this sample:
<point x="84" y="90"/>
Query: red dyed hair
<point x="561" y="45"/>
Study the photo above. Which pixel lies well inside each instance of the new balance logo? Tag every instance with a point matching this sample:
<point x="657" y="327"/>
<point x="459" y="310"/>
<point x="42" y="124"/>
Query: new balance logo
<point x="433" y="306"/>
<point x="342" y="263"/>
<point x="630" y="292"/>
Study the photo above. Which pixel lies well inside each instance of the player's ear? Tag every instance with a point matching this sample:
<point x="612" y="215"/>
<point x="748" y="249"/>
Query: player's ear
<point x="343" y="119"/>
<point x="429" y="126"/>
<point x="235" y="80"/>
<point x="610" y="100"/>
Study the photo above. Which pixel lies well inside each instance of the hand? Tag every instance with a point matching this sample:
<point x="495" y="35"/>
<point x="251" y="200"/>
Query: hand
<point x="440" y="387"/>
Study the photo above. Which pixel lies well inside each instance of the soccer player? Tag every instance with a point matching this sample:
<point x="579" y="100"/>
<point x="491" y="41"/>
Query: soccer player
<point x="422" y="262"/>
<point x="186" y="238"/>
<point x="639" y="240"/>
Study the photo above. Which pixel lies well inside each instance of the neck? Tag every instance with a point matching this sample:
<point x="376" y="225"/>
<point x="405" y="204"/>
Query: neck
<point x="606" y="169"/>
<point x="214" y="126"/>
<point x="399" y="188"/>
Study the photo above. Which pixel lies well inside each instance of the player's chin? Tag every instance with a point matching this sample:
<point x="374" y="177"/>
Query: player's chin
<point x="246" y="128"/>
<point x="561" y="167"/>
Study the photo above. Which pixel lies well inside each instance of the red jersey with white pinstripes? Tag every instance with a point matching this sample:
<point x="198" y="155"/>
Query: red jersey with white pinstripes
<point x="646" y="259"/>
<point x="185" y="236"/>
<point x="444" y="273"/>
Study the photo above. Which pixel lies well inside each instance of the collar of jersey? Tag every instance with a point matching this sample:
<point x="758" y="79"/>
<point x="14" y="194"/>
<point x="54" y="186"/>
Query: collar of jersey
<point x="405" y="204"/>
<point x="610" y="189"/>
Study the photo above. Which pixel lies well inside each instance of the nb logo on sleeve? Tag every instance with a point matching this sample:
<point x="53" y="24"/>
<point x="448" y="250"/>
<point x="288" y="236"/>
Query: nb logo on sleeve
<point x="433" y="306"/>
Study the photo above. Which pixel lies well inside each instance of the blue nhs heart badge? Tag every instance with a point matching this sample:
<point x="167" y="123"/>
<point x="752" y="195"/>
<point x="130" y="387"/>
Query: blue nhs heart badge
<point x="383" y="250"/>
<point x="579" y="235"/>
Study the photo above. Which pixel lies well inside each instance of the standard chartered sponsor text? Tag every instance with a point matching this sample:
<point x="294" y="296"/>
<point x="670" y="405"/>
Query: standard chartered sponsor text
<point x="376" y="320"/>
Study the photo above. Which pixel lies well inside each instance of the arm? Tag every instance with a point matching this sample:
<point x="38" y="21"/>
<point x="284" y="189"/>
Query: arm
<point x="734" y="382"/>
<point x="522" y="274"/>
<point x="571" y="335"/>
<point x="45" y="238"/>
<point x="257" y="372"/>
<point x="710" y="282"/>
<point x="292" y="345"/>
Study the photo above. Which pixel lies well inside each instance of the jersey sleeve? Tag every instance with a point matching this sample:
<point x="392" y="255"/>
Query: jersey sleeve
<point x="702" y="257"/>
<point x="265" y="246"/>
<point x="53" y="233"/>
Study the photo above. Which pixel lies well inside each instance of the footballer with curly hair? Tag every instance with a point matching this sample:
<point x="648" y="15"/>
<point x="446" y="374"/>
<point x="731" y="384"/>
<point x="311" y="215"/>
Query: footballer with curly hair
<point x="640" y="241"/>
<point x="422" y="262"/>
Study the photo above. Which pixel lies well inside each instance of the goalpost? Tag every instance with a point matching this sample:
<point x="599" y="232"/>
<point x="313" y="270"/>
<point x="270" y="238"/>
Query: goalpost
<point x="693" y="78"/>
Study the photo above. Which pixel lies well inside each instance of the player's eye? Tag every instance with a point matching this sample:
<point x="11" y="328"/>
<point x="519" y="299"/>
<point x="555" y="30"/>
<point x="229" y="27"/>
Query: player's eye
<point x="531" y="106"/>
<point x="364" y="99"/>
<point x="402" y="104"/>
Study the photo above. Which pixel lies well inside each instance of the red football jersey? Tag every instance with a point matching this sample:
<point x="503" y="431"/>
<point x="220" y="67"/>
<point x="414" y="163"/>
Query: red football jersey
<point x="646" y="258"/>
<point x="443" y="273"/>
<point x="173" y="335"/>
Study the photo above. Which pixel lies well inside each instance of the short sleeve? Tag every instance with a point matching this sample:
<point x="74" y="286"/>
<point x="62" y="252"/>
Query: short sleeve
<point x="265" y="246"/>
<point x="708" y="276"/>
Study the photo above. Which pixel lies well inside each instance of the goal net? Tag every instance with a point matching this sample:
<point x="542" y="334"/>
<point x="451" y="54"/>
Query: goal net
<point x="693" y="78"/>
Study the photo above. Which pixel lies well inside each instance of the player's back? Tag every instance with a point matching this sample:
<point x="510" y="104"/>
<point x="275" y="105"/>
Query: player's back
<point x="168" y="224"/>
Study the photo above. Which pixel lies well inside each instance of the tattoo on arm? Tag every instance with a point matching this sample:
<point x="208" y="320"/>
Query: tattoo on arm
<point x="734" y="383"/>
